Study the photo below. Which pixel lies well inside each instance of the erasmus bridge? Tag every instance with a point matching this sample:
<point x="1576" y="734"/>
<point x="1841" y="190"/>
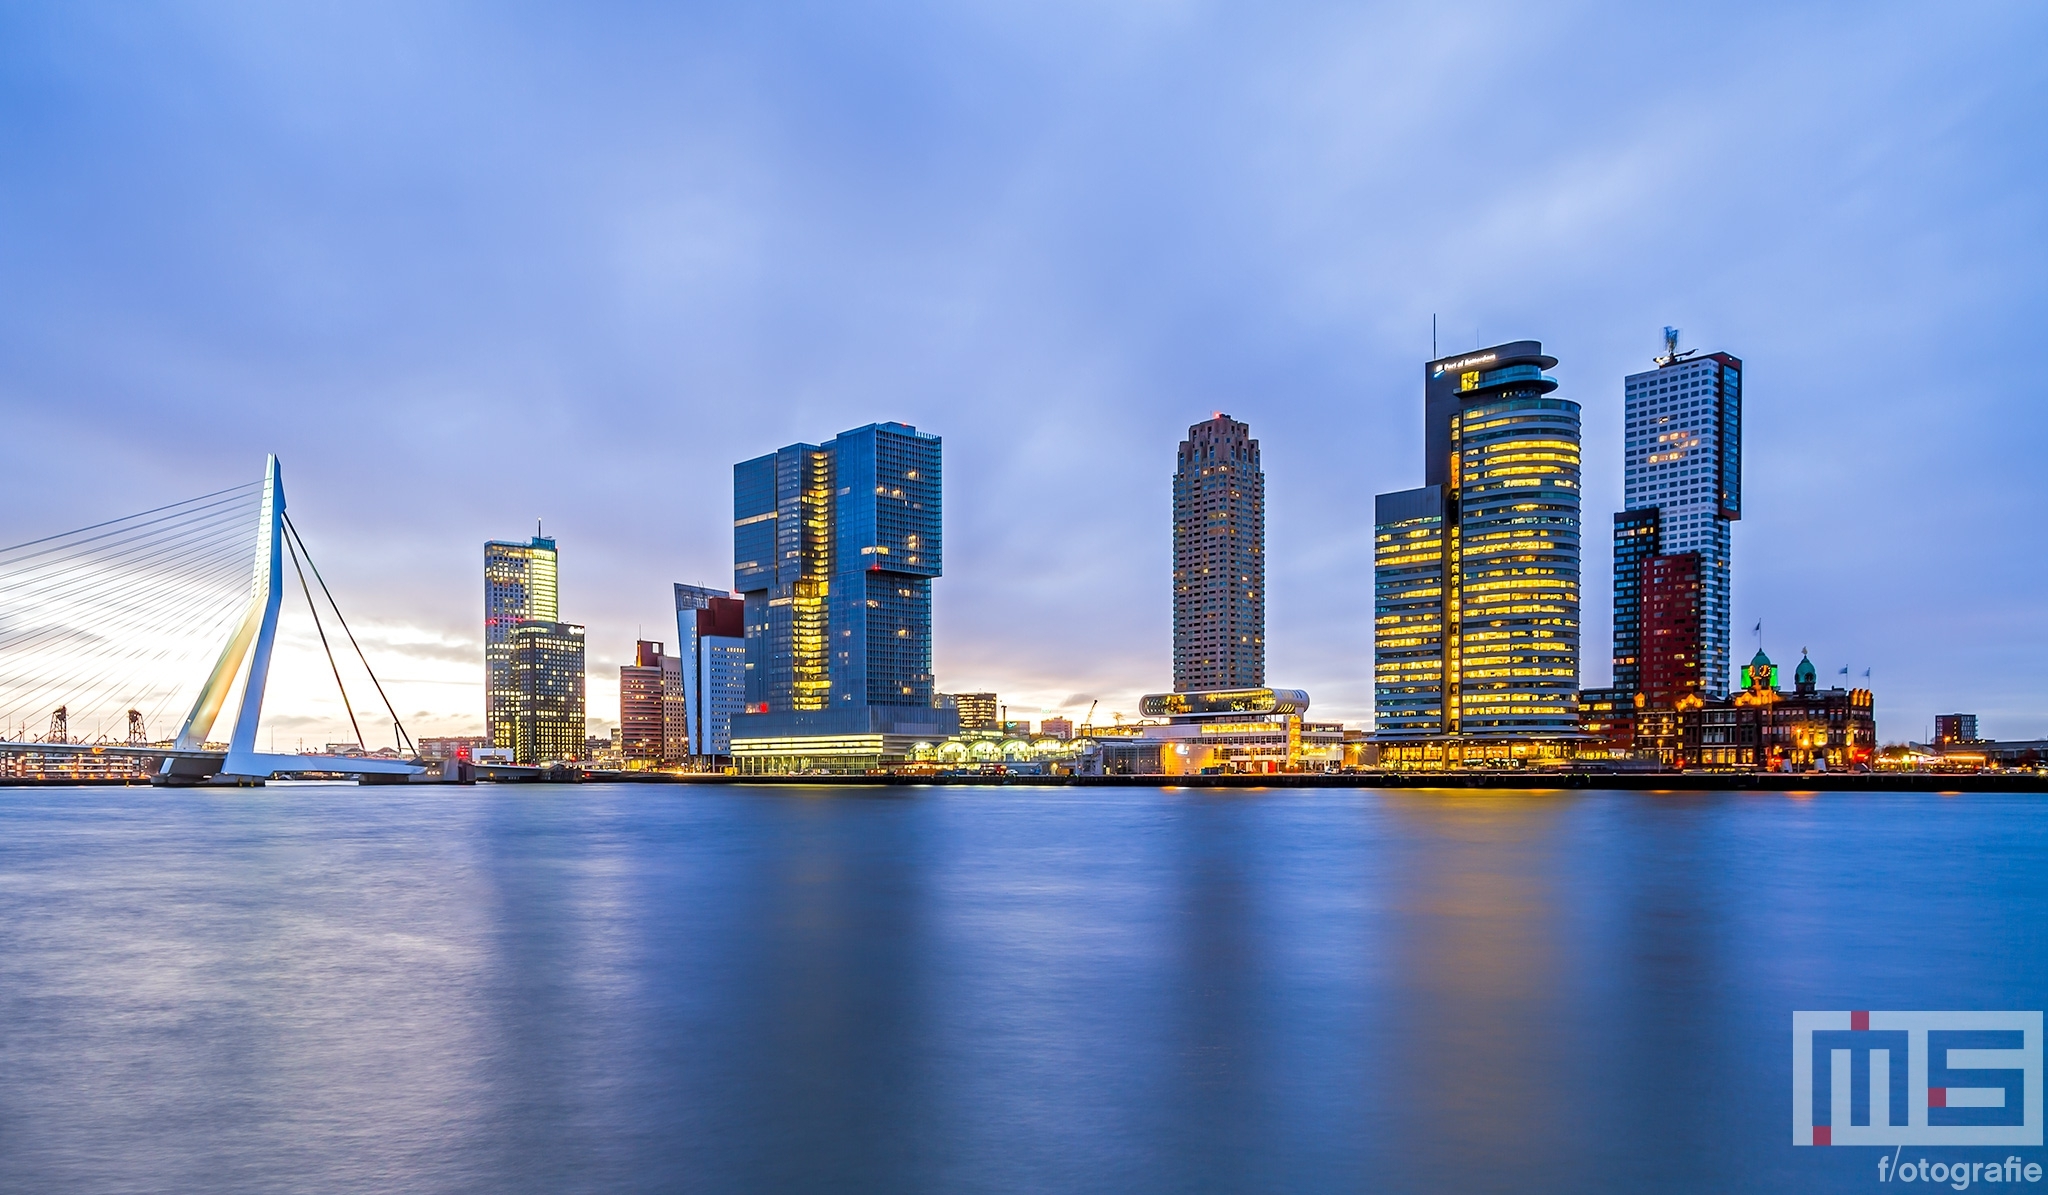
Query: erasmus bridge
<point x="160" y="616"/>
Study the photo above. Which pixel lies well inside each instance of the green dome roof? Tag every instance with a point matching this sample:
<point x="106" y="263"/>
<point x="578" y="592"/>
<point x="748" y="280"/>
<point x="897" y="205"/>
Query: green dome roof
<point x="1805" y="674"/>
<point x="1760" y="660"/>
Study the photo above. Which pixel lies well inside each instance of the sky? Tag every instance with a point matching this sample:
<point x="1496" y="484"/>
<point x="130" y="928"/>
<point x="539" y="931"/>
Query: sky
<point x="465" y="267"/>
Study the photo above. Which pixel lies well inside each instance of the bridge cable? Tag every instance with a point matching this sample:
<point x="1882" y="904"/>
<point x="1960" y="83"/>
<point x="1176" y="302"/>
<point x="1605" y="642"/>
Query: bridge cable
<point x="405" y="740"/>
<point x="336" y="668"/>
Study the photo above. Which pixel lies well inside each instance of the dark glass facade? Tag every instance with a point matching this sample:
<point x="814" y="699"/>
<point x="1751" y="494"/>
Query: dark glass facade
<point x="1636" y="540"/>
<point x="1219" y="559"/>
<point x="1671" y="626"/>
<point x="547" y="670"/>
<point x="834" y="549"/>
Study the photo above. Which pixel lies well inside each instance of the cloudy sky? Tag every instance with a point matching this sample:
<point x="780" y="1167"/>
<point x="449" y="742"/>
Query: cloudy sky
<point x="466" y="266"/>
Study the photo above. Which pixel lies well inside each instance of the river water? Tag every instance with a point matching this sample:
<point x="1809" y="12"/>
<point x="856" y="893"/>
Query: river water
<point x="666" y="988"/>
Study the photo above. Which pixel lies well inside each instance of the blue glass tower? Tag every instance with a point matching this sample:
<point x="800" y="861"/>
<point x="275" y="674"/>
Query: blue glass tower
<point x="834" y="549"/>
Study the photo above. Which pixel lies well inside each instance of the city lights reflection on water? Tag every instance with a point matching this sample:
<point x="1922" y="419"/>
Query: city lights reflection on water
<point x="647" y="988"/>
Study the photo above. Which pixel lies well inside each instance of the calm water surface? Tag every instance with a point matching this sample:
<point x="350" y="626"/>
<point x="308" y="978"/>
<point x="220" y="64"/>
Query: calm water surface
<point x="647" y="988"/>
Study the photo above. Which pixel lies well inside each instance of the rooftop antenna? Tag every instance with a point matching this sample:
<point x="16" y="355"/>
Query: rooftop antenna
<point x="1432" y="335"/>
<point x="1671" y="354"/>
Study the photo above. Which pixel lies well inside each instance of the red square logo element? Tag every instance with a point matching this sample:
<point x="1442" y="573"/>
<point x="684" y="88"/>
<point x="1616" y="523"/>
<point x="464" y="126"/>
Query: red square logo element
<point x="1937" y="1097"/>
<point x="1859" y="1020"/>
<point x="1821" y="1133"/>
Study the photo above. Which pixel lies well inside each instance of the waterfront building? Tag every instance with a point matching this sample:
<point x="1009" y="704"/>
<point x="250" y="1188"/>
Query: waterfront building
<point x="835" y="547"/>
<point x="978" y="711"/>
<point x="458" y="747"/>
<point x="711" y="633"/>
<point x="652" y="728"/>
<point x="1219" y="559"/>
<point x="1476" y="573"/>
<point x="1607" y="717"/>
<point x="1243" y="730"/>
<point x="520" y="585"/>
<point x="1951" y="729"/>
<point x="548" y="683"/>
<point x="1762" y="728"/>
<point x="1057" y="728"/>
<point x="1682" y="485"/>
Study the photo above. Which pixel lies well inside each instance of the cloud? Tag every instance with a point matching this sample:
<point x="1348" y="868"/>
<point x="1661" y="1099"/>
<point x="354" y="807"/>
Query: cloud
<point x="466" y="270"/>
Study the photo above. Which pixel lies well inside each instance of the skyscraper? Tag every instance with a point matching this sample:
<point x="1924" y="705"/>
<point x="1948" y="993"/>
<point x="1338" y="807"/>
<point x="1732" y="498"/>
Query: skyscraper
<point x="519" y="586"/>
<point x="652" y="728"/>
<point x="1683" y="481"/>
<point x="1219" y="559"/>
<point x="711" y="626"/>
<point x="547" y="676"/>
<point x="1476" y="611"/>
<point x="834" y="549"/>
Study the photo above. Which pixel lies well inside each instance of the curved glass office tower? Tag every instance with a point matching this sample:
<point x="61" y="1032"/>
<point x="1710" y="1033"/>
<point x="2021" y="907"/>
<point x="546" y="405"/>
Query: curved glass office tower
<point x="1477" y="573"/>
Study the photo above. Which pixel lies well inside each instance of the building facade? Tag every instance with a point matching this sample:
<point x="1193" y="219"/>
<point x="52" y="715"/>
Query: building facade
<point x="978" y="711"/>
<point x="652" y="727"/>
<point x="520" y="585"/>
<point x="1671" y="615"/>
<point x="1682" y="486"/>
<point x="1952" y="729"/>
<point x="1476" y="573"/>
<point x="1219" y="559"/>
<point x="1763" y="728"/>
<point x="547" y="676"/>
<point x="835" y="547"/>
<point x="711" y="628"/>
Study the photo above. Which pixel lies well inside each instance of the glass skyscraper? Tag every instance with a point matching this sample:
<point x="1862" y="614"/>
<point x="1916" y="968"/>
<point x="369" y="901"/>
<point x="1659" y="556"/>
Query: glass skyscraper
<point x="1219" y="559"/>
<point x="1683" y="492"/>
<point x="711" y="627"/>
<point x="520" y="585"/>
<point x="835" y="546"/>
<point x="547" y="674"/>
<point x="1476" y="573"/>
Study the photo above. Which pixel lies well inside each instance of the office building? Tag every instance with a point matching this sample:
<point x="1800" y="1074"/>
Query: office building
<point x="1951" y="729"/>
<point x="978" y="711"/>
<point x="1057" y="728"/>
<point x="519" y="586"/>
<point x="835" y="547"/>
<point x="1671" y="629"/>
<point x="547" y="678"/>
<point x="711" y="628"/>
<point x="1476" y="573"/>
<point x="1683" y="490"/>
<point x="1219" y="559"/>
<point x="652" y="729"/>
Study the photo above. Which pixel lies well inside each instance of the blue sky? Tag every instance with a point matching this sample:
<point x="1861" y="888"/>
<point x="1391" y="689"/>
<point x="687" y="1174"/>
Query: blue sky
<point x="465" y="266"/>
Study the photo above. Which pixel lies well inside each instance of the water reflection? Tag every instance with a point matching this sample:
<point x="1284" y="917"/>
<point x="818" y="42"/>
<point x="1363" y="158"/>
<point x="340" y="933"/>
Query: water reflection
<point x="620" y="989"/>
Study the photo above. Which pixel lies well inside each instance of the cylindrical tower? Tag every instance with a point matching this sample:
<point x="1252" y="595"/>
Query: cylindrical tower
<point x="1512" y="588"/>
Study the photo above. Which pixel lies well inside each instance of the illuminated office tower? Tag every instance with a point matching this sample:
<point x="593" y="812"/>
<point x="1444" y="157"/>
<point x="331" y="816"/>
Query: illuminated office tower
<point x="1476" y="573"/>
<point x="1683" y="478"/>
<point x="835" y="546"/>
<point x="547" y="674"/>
<point x="1219" y="560"/>
<point x="711" y="627"/>
<point x="519" y="586"/>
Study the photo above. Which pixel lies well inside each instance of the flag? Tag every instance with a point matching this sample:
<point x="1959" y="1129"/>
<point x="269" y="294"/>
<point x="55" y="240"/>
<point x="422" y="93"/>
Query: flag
<point x="1845" y="670"/>
<point x="1866" y="674"/>
<point x="1759" y="628"/>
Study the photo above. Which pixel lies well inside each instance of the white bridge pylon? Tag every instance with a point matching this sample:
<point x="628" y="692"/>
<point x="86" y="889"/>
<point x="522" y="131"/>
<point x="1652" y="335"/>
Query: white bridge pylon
<point x="251" y="643"/>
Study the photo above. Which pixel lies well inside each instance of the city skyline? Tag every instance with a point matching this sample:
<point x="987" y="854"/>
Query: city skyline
<point x="1056" y="259"/>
